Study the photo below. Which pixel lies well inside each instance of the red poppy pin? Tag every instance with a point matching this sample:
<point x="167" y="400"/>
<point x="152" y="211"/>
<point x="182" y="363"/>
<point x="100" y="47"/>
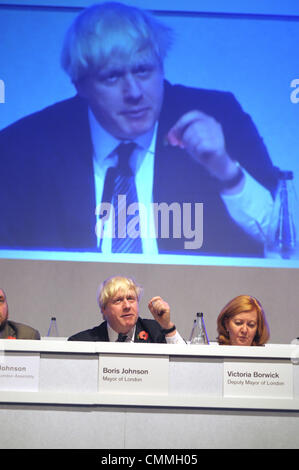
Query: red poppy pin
<point x="143" y="335"/>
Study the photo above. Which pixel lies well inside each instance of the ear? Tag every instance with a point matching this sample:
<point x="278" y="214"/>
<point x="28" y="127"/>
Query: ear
<point x="82" y="88"/>
<point x="103" y="312"/>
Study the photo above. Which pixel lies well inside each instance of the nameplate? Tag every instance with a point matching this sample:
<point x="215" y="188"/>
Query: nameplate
<point x="133" y="374"/>
<point x="255" y="379"/>
<point x="19" y="372"/>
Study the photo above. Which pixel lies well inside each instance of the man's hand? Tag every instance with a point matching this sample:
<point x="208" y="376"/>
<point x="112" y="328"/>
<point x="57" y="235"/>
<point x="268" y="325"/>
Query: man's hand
<point x="161" y="313"/>
<point x="202" y="137"/>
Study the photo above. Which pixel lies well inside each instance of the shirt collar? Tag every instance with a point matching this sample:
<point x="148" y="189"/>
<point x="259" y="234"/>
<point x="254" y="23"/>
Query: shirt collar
<point x="104" y="144"/>
<point x="113" y="335"/>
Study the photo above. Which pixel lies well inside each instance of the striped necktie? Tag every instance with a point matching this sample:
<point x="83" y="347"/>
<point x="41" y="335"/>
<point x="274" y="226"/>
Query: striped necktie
<point x="121" y="338"/>
<point x="127" y="227"/>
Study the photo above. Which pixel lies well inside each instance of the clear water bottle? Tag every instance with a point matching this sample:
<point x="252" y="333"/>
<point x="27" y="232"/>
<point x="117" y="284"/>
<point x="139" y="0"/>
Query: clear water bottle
<point x="199" y="332"/>
<point x="295" y="352"/>
<point x="53" y="329"/>
<point x="282" y="239"/>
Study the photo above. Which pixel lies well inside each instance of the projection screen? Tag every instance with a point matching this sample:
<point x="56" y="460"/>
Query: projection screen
<point x="236" y="65"/>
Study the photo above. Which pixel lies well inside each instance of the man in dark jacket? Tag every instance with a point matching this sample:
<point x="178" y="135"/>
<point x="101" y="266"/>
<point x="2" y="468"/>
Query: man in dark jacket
<point x="11" y="329"/>
<point x="200" y="167"/>
<point x="118" y="299"/>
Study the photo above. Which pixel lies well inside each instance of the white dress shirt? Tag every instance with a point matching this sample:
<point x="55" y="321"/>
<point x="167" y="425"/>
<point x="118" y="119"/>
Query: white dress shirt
<point x="142" y="162"/>
<point x="251" y="208"/>
<point x="112" y="335"/>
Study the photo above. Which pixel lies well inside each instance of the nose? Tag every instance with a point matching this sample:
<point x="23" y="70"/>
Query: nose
<point x="244" y="329"/>
<point x="126" y="304"/>
<point x="131" y="88"/>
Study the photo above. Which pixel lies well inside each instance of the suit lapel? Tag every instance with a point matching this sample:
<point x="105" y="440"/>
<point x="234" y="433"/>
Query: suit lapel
<point x="141" y="334"/>
<point x="102" y="332"/>
<point x="8" y="331"/>
<point x="76" y="181"/>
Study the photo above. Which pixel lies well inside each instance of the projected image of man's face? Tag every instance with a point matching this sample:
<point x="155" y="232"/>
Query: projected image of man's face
<point x="126" y="98"/>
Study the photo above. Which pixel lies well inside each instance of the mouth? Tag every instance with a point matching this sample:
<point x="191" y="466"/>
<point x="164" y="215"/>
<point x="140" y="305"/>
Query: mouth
<point x="243" y="339"/>
<point x="127" y="315"/>
<point x="135" y="113"/>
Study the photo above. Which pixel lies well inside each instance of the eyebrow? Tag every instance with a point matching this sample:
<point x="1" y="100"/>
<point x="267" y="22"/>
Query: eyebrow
<point x="247" y="321"/>
<point x="122" y="296"/>
<point x="123" y="68"/>
<point x="111" y="71"/>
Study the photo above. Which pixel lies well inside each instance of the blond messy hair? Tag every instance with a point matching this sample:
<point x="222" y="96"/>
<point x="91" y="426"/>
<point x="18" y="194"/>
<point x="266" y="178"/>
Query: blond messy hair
<point x="111" y="286"/>
<point x="111" y="29"/>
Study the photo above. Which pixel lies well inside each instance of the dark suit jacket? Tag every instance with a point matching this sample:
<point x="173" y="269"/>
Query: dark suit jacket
<point x="47" y="181"/>
<point x="99" y="333"/>
<point x="19" y="331"/>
